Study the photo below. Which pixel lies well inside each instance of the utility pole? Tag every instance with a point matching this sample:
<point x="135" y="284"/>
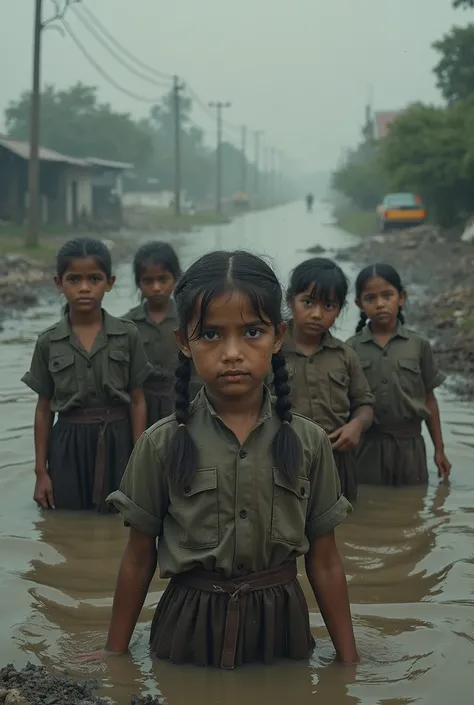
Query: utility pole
<point x="34" y="163"/>
<point x="219" y="106"/>
<point x="244" y="160"/>
<point x="177" y="88"/>
<point x="258" y="135"/>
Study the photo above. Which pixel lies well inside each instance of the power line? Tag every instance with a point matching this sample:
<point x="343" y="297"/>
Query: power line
<point x="100" y="70"/>
<point x="96" y="34"/>
<point x="99" y="25"/>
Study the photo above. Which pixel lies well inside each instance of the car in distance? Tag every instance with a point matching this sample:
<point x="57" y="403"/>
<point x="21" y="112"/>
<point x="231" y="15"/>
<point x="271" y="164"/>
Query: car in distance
<point x="400" y="210"/>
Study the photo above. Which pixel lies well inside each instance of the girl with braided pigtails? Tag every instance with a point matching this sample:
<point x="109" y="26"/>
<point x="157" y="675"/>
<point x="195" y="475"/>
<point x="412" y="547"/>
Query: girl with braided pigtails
<point x="235" y="487"/>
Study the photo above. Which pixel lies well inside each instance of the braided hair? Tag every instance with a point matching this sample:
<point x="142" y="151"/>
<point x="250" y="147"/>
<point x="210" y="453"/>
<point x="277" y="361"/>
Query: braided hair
<point x="81" y="248"/>
<point x="211" y="276"/>
<point x="384" y="271"/>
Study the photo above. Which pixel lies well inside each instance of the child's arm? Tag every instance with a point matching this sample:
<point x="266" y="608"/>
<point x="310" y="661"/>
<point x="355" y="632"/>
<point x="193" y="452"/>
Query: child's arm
<point x="137" y="413"/>
<point x="432" y="378"/>
<point x="362" y="415"/>
<point x="43" y="494"/>
<point x="434" y="428"/>
<point x="327" y="578"/>
<point x="136" y="571"/>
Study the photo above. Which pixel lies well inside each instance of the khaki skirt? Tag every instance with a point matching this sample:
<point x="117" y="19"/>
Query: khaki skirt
<point x="207" y="621"/>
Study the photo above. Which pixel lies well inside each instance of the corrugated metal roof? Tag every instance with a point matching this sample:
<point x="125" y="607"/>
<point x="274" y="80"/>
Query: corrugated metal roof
<point x="106" y="164"/>
<point x="22" y="150"/>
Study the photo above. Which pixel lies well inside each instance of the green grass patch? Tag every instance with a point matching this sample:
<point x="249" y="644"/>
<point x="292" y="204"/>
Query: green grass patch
<point x="467" y="326"/>
<point x="163" y="219"/>
<point x="355" y="221"/>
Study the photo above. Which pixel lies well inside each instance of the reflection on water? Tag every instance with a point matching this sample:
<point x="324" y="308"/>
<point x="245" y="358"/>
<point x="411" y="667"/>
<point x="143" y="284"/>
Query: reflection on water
<point x="408" y="552"/>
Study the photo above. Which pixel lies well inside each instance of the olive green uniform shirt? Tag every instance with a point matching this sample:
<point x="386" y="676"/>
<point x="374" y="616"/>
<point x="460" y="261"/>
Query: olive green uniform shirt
<point x="158" y="340"/>
<point x="62" y="371"/>
<point x="238" y="515"/>
<point x="327" y="386"/>
<point x="400" y="375"/>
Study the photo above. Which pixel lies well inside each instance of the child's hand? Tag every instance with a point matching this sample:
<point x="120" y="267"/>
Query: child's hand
<point x="99" y="655"/>
<point x="43" y="494"/>
<point x="347" y="437"/>
<point x="443" y="464"/>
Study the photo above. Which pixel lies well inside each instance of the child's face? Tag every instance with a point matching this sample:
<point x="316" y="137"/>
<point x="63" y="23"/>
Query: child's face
<point x="156" y="284"/>
<point x="84" y="284"/>
<point x="313" y="317"/>
<point x="233" y="354"/>
<point x="381" y="301"/>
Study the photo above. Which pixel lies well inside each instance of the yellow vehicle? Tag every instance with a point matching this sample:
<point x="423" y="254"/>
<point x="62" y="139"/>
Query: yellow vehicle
<point x="400" y="210"/>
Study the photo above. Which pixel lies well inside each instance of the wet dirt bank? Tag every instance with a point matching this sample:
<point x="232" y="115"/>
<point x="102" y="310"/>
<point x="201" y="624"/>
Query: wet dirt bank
<point x="439" y="278"/>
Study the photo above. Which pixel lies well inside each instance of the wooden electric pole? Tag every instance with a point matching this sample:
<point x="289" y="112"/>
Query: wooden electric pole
<point x="177" y="88"/>
<point x="33" y="164"/>
<point x="219" y="106"/>
<point x="32" y="235"/>
<point x="244" y="160"/>
<point x="258" y="135"/>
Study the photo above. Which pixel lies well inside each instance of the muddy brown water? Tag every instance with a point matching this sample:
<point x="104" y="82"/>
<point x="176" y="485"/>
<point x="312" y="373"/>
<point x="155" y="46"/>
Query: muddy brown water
<point x="408" y="553"/>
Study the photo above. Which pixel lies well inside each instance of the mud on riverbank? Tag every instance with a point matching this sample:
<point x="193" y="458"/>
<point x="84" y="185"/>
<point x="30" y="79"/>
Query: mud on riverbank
<point x="438" y="275"/>
<point x="34" y="685"/>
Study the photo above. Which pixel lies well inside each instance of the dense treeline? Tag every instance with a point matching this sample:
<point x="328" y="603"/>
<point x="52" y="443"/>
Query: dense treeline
<point x="429" y="150"/>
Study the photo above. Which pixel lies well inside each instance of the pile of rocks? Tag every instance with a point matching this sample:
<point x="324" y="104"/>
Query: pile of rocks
<point x="34" y="685"/>
<point x="19" y="276"/>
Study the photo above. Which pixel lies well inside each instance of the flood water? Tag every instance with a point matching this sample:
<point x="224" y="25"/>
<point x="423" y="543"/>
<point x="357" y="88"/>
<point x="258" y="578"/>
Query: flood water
<point x="408" y="553"/>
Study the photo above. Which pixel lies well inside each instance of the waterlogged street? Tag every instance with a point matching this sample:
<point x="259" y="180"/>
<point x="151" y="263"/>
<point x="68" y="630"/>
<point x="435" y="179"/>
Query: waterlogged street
<point x="408" y="552"/>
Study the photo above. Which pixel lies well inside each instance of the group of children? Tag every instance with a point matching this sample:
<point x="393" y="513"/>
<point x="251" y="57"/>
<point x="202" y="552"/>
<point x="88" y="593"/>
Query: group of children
<point x="237" y="483"/>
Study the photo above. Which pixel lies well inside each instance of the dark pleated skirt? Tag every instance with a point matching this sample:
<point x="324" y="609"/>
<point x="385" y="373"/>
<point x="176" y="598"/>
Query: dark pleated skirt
<point x="159" y="400"/>
<point x="189" y="626"/>
<point x="346" y="468"/>
<point x="385" y="460"/>
<point x="72" y="462"/>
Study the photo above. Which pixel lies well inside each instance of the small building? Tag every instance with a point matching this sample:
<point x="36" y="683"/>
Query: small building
<point x="383" y="120"/>
<point x="72" y="190"/>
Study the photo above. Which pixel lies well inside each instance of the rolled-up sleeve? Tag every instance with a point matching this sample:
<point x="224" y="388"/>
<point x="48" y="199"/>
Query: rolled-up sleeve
<point x="143" y="497"/>
<point x="432" y="375"/>
<point x="39" y="378"/>
<point x="327" y="508"/>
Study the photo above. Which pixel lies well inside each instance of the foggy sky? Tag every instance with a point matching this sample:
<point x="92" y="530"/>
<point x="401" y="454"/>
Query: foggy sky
<point x="301" y="70"/>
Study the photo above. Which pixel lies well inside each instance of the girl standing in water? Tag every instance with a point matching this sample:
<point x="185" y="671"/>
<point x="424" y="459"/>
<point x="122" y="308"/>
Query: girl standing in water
<point x="402" y="373"/>
<point x="235" y="488"/>
<point x="156" y="270"/>
<point x="326" y="379"/>
<point x="89" y="369"/>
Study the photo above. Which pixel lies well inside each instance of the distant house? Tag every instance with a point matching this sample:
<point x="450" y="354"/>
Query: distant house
<point x="71" y="189"/>
<point x="383" y="120"/>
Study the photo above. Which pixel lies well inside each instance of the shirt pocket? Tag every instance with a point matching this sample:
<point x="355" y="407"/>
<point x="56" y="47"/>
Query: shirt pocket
<point x="290" y="504"/>
<point x="63" y="372"/>
<point x="197" y="511"/>
<point x="119" y="369"/>
<point x="339" y="391"/>
<point x="368" y="369"/>
<point x="411" y="381"/>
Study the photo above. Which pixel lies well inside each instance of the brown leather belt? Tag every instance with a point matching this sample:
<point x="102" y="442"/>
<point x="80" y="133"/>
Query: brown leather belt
<point x="102" y="416"/>
<point x="235" y="588"/>
<point x="407" y="429"/>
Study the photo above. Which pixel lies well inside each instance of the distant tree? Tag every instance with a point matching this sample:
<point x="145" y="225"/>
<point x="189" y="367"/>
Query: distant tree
<point x="74" y="122"/>
<point x="429" y="151"/>
<point x="455" y="70"/>
<point x="464" y="4"/>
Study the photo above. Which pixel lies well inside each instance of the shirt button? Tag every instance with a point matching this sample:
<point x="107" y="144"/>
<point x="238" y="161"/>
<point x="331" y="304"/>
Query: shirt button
<point x="89" y="364"/>
<point x="385" y="381"/>
<point x="310" y="361"/>
<point x="242" y="454"/>
<point x="385" y="353"/>
<point x="240" y="567"/>
<point x="187" y="489"/>
<point x="302" y="491"/>
<point x="243" y="514"/>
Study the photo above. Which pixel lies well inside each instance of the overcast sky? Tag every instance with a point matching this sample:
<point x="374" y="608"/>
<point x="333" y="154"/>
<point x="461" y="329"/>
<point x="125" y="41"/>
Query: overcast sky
<point x="302" y="71"/>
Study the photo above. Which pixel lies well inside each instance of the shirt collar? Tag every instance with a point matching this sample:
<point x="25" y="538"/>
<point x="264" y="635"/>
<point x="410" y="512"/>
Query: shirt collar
<point x="202" y="399"/>
<point x="112" y="326"/>
<point x="366" y="334"/>
<point x="289" y="345"/>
